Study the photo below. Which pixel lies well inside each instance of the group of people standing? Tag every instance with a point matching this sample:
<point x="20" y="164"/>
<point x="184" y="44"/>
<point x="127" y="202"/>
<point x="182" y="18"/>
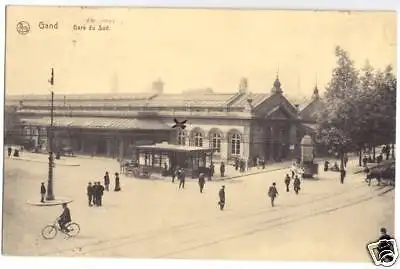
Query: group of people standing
<point x="96" y="190"/>
<point x="16" y="151"/>
<point x="95" y="193"/>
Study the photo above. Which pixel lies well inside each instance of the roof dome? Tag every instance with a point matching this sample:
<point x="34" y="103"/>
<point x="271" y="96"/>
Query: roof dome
<point x="277" y="86"/>
<point x="277" y="83"/>
<point x="307" y="140"/>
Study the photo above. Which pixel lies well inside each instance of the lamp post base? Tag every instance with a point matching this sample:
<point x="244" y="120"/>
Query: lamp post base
<point x="50" y="198"/>
<point x="57" y="201"/>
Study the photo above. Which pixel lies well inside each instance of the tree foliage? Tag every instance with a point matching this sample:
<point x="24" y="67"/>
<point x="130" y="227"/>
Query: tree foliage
<point x="359" y="106"/>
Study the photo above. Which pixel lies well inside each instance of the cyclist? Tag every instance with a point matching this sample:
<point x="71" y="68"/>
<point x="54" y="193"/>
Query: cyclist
<point x="64" y="218"/>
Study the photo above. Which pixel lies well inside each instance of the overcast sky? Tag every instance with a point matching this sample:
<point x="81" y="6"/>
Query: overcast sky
<point x="189" y="48"/>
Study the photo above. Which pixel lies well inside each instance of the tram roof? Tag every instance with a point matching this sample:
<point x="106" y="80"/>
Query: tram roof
<point x="173" y="148"/>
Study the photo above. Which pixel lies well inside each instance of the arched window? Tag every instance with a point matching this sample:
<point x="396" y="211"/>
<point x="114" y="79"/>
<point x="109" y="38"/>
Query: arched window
<point x="215" y="142"/>
<point x="198" y="139"/>
<point x="181" y="138"/>
<point x="235" y="144"/>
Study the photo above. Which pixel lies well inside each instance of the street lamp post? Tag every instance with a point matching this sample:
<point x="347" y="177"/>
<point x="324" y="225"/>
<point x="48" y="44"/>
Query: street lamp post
<point x="50" y="194"/>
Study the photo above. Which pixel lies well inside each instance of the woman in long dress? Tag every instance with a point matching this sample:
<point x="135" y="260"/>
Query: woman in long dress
<point x="117" y="184"/>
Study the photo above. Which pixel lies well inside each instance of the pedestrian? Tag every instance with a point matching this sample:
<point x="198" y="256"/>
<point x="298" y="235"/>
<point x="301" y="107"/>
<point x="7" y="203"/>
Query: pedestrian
<point x="236" y="164"/>
<point x="379" y="159"/>
<point x="342" y="175"/>
<point x="42" y="192"/>
<point x="241" y="166"/>
<point x="117" y="184"/>
<point x="202" y="181"/>
<point x="95" y="190"/>
<point x="272" y="193"/>
<point x="9" y="151"/>
<point x="293" y="170"/>
<point x="296" y="184"/>
<point x="90" y="193"/>
<point x="287" y="182"/>
<point x="100" y="194"/>
<point x="326" y="165"/>
<point x="345" y="160"/>
<point x="212" y="169"/>
<point x="222" y="169"/>
<point x="173" y="174"/>
<point x="221" y="195"/>
<point x="209" y="174"/>
<point x="263" y="163"/>
<point x="181" y="177"/>
<point x="365" y="160"/>
<point x="107" y="182"/>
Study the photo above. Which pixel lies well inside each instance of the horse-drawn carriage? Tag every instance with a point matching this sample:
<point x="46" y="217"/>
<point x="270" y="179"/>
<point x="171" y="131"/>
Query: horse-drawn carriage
<point x="131" y="168"/>
<point x="383" y="172"/>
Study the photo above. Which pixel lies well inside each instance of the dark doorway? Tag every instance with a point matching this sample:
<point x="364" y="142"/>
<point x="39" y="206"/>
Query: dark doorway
<point x="101" y="147"/>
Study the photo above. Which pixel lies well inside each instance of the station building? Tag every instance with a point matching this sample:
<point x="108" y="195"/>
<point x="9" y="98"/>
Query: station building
<point x="238" y="124"/>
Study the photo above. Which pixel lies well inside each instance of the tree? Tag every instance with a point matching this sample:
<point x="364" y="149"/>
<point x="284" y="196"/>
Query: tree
<point x="358" y="110"/>
<point x="337" y="121"/>
<point x="386" y="83"/>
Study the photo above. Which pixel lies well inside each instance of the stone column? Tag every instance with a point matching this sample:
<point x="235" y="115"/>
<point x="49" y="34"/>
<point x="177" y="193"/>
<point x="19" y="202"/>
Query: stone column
<point x="206" y="141"/>
<point x="245" y="143"/>
<point x="224" y="148"/>
<point x="292" y="140"/>
<point x="108" y="148"/>
<point x="82" y="149"/>
<point x="272" y="146"/>
<point x="121" y="148"/>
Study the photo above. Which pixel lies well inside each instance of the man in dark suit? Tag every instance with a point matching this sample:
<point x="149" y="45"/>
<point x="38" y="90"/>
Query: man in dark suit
<point x="100" y="190"/>
<point x="65" y="217"/>
<point x="221" y="195"/>
<point x="42" y="192"/>
<point x="90" y="193"/>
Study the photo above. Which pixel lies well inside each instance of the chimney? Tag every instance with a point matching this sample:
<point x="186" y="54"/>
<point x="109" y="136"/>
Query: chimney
<point x="158" y="86"/>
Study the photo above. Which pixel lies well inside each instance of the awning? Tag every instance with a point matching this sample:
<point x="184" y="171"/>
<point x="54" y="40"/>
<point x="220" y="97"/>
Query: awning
<point x="99" y="123"/>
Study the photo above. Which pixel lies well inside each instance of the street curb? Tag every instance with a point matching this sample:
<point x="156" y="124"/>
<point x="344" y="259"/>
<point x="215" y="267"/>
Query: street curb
<point x="38" y="161"/>
<point x="58" y="201"/>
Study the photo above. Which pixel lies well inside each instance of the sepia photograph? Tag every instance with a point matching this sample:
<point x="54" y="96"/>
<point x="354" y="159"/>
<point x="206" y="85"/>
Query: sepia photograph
<point x="200" y="133"/>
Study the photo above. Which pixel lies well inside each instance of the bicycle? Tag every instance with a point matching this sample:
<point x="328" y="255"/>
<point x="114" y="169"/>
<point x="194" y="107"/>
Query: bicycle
<point x="50" y="231"/>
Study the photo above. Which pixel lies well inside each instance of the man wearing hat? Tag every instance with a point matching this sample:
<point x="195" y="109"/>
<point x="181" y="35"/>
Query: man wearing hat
<point x="181" y="177"/>
<point x="117" y="183"/>
<point x="221" y="194"/>
<point x="90" y="193"/>
<point x="272" y="193"/>
<point x="42" y="192"/>
<point x="202" y="181"/>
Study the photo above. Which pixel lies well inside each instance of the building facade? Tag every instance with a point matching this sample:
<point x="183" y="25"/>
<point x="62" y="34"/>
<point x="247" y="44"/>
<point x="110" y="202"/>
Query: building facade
<point x="239" y="124"/>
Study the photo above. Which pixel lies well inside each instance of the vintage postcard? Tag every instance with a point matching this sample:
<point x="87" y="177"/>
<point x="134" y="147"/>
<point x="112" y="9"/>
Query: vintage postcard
<point x="200" y="134"/>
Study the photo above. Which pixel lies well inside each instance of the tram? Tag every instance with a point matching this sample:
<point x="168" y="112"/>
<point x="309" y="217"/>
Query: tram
<point x="163" y="158"/>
